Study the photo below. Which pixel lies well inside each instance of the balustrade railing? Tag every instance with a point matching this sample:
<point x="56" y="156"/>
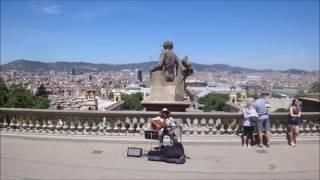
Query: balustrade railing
<point x="133" y="123"/>
<point x="116" y="106"/>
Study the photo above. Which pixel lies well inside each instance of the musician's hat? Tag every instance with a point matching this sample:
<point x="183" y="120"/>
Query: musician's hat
<point x="164" y="110"/>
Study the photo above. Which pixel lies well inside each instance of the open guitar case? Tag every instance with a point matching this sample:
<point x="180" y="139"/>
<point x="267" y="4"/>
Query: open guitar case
<point x="170" y="154"/>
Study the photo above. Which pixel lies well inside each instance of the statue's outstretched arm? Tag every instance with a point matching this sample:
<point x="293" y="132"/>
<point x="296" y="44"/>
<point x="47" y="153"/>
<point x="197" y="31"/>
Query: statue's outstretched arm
<point x="159" y="65"/>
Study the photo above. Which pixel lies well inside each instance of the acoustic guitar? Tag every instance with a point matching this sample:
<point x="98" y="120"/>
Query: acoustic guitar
<point x="157" y="124"/>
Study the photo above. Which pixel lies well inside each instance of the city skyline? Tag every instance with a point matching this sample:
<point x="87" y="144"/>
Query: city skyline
<point x="137" y="64"/>
<point x="260" y="35"/>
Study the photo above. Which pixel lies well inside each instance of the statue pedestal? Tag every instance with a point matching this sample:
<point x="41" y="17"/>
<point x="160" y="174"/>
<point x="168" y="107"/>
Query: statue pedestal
<point x="166" y="94"/>
<point x="173" y="106"/>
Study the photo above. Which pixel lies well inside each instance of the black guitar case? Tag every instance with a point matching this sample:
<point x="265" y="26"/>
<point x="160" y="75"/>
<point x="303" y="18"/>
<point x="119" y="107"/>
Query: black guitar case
<point x="170" y="154"/>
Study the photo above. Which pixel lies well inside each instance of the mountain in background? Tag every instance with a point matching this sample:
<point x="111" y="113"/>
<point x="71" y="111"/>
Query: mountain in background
<point x="37" y="66"/>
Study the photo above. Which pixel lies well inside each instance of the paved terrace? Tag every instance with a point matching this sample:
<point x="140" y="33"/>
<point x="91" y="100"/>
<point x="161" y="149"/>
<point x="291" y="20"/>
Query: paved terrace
<point x="83" y="157"/>
<point x="55" y="144"/>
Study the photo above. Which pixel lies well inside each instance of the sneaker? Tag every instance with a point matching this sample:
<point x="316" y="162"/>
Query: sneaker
<point x="244" y="146"/>
<point x="249" y="146"/>
<point x="268" y="145"/>
<point x="260" y="145"/>
<point x="293" y="145"/>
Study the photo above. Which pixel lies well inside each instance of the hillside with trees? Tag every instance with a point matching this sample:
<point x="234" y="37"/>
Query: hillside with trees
<point x="315" y="87"/>
<point x="132" y="101"/>
<point x="17" y="96"/>
<point x="37" y="66"/>
<point x="214" y="102"/>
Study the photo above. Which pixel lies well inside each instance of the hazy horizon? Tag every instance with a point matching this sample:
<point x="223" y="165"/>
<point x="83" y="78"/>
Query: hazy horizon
<point x="154" y="61"/>
<point x="277" y="35"/>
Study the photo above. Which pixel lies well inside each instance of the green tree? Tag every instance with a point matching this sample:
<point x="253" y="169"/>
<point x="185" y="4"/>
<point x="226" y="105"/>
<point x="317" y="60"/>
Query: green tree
<point x="132" y="101"/>
<point x="281" y="110"/>
<point x="249" y="95"/>
<point x="110" y="96"/>
<point x="3" y="93"/>
<point x="214" y="101"/>
<point x="40" y="102"/>
<point x="41" y="91"/>
<point x="300" y="93"/>
<point x="238" y="95"/>
<point x="315" y="87"/>
<point x="19" y="97"/>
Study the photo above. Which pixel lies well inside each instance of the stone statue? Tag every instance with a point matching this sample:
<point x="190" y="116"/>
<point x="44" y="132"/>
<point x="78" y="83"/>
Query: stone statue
<point x="167" y="81"/>
<point x="168" y="62"/>
<point x="187" y="69"/>
<point x="170" y="72"/>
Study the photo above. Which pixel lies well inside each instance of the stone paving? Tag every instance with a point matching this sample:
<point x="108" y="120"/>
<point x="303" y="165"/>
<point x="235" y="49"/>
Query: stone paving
<point x="44" y="158"/>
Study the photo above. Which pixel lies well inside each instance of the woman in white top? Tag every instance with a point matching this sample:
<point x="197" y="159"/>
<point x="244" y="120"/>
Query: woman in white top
<point x="249" y="116"/>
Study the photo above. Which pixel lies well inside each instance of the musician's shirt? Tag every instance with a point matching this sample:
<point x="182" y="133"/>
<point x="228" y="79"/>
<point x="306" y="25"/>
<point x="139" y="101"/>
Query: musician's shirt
<point x="170" y="124"/>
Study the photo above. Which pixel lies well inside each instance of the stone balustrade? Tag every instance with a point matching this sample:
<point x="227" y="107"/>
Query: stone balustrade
<point x="133" y="123"/>
<point x="116" y="106"/>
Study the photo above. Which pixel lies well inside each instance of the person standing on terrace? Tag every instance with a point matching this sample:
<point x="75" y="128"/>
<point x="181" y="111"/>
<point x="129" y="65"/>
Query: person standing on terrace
<point x="294" y="122"/>
<point x="263" y="123"/>
<point x="249" y="117"/>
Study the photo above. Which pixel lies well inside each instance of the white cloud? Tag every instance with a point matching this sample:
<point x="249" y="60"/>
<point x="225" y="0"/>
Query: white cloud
<point x="46" y="7"/>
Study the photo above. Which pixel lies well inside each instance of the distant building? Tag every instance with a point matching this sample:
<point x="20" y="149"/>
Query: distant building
<point x="91" y="104"/>
<point x="138" y="75"/>
<point x="254" y="78"/>
<point x="117" y="96"/>
<point x="73" y="72"/>
<point x="53" y="72"/>
<point x="104" y="92"/>
<point x="243" y="94"/>
<point x="126" y="73"/>
<point x="233" y="95"/>
<point x="196" y="83"/>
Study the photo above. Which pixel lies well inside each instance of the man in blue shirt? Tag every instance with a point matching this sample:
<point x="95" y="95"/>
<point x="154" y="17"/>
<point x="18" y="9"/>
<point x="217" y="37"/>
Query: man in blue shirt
<point x="264" y="122"/>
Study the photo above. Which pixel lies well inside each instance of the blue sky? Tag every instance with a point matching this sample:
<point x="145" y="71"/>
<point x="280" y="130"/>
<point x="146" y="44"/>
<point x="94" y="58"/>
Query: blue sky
<point x="254" y="34"/>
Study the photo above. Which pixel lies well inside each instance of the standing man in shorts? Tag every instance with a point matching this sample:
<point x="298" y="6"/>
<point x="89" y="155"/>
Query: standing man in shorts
<point x="264" y="122"/>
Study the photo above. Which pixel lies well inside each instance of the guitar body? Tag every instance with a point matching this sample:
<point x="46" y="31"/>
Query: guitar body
<point x="157" y="124"/>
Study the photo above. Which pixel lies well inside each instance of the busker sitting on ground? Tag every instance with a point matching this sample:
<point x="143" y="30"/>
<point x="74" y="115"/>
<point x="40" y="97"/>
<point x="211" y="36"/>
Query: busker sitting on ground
<point x="165" y="125"/>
